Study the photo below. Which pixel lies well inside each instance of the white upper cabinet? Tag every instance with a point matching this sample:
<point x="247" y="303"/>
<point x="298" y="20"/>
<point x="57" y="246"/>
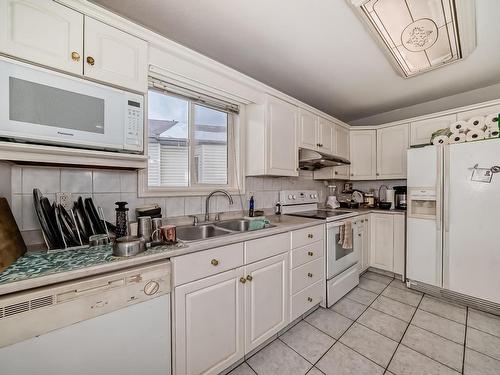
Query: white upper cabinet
<point x="282" y="140"/>
<point x="392" y="143"/>
<point x="341" y="137"/>
<point x="308" y="130"/>
<point x="326" y="136"/>
<point x="481" y="111"/>
<point x="421" y="131"/>
<point x="363" y="150"/>
<point x="271" y="138"/>
<point x="114" y="56"/>
<point x="50" y="34"/>
<point x="42" y="31"/>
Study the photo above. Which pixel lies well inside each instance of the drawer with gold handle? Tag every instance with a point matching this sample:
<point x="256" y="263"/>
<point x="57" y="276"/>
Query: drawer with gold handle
<point x="307" y="253"/>
<point x="307" y="274"/>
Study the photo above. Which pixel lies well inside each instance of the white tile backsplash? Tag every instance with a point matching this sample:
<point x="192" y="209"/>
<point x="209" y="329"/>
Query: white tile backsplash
<point x="16" y="180"/>
<point x="48" y="180"/>
<point x="174" y="206"/>
<point x="192" y="206"/>
<point x="109" y="186"/>
<point x="76" y="181"/>
<point x="128" y="182"/>
<point x="106" y="182"/>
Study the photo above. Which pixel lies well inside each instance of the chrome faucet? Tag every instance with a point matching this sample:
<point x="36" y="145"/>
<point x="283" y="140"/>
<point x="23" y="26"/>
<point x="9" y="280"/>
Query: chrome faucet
<point x="207" y="201"/>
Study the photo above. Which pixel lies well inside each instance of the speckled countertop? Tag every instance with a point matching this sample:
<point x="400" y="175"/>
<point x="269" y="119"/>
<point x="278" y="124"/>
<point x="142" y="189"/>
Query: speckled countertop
<point x="40" y="269"/>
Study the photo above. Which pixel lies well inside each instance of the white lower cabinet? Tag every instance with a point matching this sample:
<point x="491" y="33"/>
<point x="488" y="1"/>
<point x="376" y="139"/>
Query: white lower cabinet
<point x="362" y="233"/>
<point x="219" y="318"/>
<point x="209" y="323"/>
<point x="388" y="242"/>
<point x="266" y="299"/>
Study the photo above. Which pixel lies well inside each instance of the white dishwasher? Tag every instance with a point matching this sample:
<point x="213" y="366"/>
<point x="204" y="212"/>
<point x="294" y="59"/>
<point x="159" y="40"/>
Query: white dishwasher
<point x="116" y="323"/>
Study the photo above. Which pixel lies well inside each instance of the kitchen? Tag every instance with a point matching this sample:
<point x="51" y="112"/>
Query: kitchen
<point x="173" y="202"/>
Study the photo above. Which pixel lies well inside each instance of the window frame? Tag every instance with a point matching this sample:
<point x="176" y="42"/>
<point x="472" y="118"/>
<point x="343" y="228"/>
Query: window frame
<point x="235" y="152"/>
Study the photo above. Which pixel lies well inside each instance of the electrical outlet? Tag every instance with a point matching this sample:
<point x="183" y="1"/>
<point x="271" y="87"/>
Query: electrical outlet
<point x="65" y="200"/>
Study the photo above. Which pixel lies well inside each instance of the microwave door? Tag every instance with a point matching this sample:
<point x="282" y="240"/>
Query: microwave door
<point x="48" y="107"/>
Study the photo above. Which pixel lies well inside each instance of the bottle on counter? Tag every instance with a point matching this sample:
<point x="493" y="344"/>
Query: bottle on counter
<point x="121" y="219"/>
<point x="251" y="207"/>
<point x="277" y="209"/>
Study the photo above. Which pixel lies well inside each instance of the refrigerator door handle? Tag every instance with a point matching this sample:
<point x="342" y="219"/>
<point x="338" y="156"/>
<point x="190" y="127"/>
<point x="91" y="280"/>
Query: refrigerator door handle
<point x="439" y="196"/>
<point x="446" y="190"/>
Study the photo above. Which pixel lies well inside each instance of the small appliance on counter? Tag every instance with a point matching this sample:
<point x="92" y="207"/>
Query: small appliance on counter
<point x="400" y="197"/>
<point x="369" y="200"/>
<point x="331" y="200"/>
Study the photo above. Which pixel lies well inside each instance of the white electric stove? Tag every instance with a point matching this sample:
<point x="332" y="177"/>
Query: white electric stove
<point x="342" y="273"/>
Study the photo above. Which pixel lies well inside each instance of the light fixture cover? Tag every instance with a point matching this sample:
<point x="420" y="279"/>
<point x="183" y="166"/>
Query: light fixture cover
<point x="421" y="35"/>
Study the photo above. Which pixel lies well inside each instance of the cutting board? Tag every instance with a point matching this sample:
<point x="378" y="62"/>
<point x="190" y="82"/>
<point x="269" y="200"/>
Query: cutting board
<point x="12" y="245"/>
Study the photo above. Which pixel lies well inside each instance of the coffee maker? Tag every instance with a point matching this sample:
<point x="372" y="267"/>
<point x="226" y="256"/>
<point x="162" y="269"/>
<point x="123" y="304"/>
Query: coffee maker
<point x="400" y="197"/>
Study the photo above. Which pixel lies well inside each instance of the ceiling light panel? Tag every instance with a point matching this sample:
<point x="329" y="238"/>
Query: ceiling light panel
<point x="421" y="35"/>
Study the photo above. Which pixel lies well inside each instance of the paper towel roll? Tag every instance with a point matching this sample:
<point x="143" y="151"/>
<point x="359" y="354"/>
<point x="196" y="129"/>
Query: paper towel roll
<point x="458" y="126"/>
<point x="457" y="138"/>
<point x="476" y="123"/>
<point x="440" y="140"/>
<point x="474" y="135"/>
<point x="492" y="131"/>
<point x="491" y="119"/>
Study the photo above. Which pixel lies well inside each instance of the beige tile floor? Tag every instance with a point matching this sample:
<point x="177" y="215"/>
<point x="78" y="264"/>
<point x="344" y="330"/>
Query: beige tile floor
<point x="381" y="327"/>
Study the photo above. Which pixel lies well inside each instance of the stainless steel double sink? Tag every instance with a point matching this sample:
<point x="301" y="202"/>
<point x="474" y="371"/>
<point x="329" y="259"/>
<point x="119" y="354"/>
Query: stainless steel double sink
<point x="190" y="233"/>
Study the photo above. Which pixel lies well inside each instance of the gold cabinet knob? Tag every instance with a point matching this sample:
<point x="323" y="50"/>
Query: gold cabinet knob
<point x="90" y="60"/>
<point x="309" y="274"/>
<point x="336" y="172"/>
<point x="310" y="235"/>
<point x="243" y="280"/>
<point x="249" y="278"/>
<point x="310" y="253"/>
<point x="214" y="262"/>
<point x="75" y="56"/>
<point x="309" y="299"/>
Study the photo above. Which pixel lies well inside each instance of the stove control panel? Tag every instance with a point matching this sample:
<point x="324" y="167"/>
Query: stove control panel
<point x="288" y="197"/>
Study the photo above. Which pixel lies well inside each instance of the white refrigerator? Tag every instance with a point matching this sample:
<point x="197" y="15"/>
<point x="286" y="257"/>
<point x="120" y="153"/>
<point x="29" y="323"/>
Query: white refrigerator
<point x="453" y="233"/>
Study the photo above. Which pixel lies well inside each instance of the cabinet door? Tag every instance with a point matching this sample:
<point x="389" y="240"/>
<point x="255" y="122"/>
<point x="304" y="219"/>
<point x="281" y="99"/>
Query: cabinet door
<point x="44" y="32"/>
<point x="308" y="130"/>
<point x="209" y="324"/>
<point x="332" y="173"/>
<point x="341" y="141"/>
<point x="392" y="144"/>
<point x="421" y="131"/>
<point x="382" y="242"/>
<point x="365" y="253"/>
<point x="482" y="111"/>
<point x="114" y="56"/>
<point x="363" y="151"/>
<point x="399" y="244"/>
<point x="267" y="300"/>
<point x="282" y="148"/>
<point x="326" y="136"/>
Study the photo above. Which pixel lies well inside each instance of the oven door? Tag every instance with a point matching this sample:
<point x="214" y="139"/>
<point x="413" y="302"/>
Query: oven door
<point x="340" y="259"/>
<point x="45" y="107"/>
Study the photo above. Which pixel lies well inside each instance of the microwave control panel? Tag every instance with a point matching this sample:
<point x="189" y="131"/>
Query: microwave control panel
<point x="134" y="123"/>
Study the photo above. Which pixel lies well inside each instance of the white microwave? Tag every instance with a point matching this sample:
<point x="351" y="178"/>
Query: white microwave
<point x="45" y="107"/>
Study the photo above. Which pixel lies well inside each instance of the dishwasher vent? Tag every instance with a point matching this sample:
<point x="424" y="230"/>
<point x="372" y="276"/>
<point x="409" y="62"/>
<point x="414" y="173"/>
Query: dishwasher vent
<point x="25" y="306"/>
<point x="17" y="308"/>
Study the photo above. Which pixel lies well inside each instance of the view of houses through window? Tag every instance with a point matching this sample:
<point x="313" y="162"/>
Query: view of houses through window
<point x="187" y="142"/>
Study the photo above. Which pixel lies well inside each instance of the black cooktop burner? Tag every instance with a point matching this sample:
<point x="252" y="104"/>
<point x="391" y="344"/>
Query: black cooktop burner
<point x="320" y="214"/>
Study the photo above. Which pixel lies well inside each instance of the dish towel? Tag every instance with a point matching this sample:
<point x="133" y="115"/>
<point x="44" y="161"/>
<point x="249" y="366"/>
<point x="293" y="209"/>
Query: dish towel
<point x="345" y="235"/>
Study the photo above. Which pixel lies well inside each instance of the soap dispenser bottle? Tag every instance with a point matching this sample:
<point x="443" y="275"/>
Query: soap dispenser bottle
<point x="251" y="207"/>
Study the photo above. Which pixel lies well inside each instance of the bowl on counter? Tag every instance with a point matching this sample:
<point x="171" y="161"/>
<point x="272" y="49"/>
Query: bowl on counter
<point x="384" y="205"/>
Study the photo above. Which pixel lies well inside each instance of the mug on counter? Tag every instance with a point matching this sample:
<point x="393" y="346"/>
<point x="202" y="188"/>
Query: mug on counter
<point x="167" y="233"/>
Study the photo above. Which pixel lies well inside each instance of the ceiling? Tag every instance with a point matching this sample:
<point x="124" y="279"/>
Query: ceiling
<point x="316" y="50"/>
